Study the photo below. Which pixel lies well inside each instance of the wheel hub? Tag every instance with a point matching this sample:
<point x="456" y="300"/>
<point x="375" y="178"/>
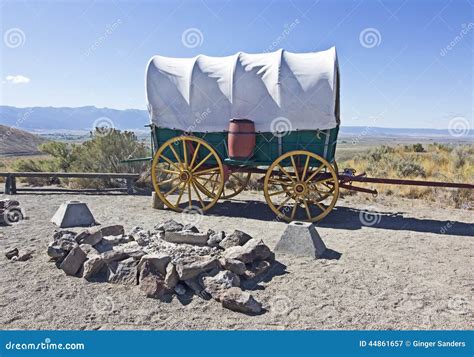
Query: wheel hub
<point x="300" y="188"/>
<point x="185" y="176"/>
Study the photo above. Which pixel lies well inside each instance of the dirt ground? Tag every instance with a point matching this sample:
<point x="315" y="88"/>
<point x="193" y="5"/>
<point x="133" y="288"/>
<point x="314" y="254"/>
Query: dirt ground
<point x="398" y="264"/>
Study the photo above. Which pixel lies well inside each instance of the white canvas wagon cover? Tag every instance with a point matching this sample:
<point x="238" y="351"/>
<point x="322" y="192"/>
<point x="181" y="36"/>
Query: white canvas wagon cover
<point x="201" y="94"/>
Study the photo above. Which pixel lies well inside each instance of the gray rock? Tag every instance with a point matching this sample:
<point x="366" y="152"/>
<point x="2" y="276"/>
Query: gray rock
<point x="70" y="235"/>
<point x="93" y="267"/>
<point x="172" y="277"/>
<point x="123" y="272"/>
<point x="113" y="230"/>
<point x="180" y="289"/>
<point x="24" y="257"/>
<point x="215" y="238"/>
<point x="72" y="263"/>
<point x="234" y="265"/>
<point x="250" y="251"/>
<point x="157" y="261"/>
<point x="191" y="228"/>
<point x="195" y="285"/>
<point x="241" y="301"/>
<point x="189" y="269"/>
<point x="169" y="226"/>
<point x="256" y="269"/>
<point x="186" y="237"/>
<point x="90" y="236"/>
<point x="143" y="238"/>
<point x="235" y="239"/>
<point x="216" y="285"/>
<point x="113" y="255"/>
<point x="116" y="240"/>
<point x="153" y="286"/>
<point x="63" y="243"/>
<point x="12" y="253"/>
<point x="89" y="249"/>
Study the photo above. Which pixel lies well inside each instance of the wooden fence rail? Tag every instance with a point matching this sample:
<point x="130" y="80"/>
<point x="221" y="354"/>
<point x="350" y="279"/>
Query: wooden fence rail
<point x="11" y="188"/>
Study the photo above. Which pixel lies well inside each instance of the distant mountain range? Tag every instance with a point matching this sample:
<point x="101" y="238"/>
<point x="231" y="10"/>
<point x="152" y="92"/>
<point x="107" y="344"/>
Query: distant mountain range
<point x="43" y="119"/>
<point x="82" y="118"/>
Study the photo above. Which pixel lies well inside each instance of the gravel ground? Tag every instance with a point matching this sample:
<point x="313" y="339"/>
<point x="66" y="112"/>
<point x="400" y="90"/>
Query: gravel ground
<point x="404" y="264"/>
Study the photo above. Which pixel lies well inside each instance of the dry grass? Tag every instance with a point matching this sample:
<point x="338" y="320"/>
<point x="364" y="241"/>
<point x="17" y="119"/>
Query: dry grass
<point x="435" y="162"/>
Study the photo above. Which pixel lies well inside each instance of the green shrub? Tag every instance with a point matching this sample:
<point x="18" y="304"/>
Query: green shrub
<point x="408" y="168"/>
<point x="418" y="148"/>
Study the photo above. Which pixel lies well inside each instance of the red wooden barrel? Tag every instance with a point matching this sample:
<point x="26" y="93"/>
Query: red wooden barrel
<point x="241" y="140"/>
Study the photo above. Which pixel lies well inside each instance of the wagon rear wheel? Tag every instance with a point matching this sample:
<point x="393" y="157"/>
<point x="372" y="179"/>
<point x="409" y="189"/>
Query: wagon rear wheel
<point x="187" y="174"/>
<point x="300" y="185"/>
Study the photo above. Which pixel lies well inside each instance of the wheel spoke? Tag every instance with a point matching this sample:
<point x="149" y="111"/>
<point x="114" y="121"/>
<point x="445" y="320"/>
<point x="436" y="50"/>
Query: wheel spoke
<point x="185" y="154"/>
<point x="286" y="173"/>
<point x="293" y="211"/>
<point x="306" y="207"/>
<point x="277" y="193"/>
<point x="175" y="154"/>
<point x="202" y="162"/>
<point x="167" y="181"/>
<point x="314" y="174"/>
<point x="198" y="194"/>
<point x="283" y="203"/>
<point x="204" y="190"/>
<point x="171" y="191"/>
<point x="295" y="168"/>
<point x="169" y="161"/>
<point x="206" y="171"/>
<point x="303" y="175"/>
<point x="190" y="199"/>
<point x="194" y="155"/>
<point x="168" y="171"/>
<point x="181" y="191"/>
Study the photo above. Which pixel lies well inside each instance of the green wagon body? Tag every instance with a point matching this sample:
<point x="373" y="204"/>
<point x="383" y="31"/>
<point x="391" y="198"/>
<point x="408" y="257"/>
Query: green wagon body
<point x="269" y="146"/>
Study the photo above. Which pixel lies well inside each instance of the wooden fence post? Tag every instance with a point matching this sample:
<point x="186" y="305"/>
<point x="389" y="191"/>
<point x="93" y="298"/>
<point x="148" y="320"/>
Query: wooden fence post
<point x="7" y="185"/>
<point x="129" y="186"/>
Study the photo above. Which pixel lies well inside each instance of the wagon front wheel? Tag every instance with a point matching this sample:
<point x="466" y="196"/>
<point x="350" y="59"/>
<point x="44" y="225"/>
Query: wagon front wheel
<point x="187" y="174"/>
<point x="301" y="185"/>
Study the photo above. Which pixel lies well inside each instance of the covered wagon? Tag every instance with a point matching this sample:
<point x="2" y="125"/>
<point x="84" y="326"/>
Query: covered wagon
<point x="215" y="121"/>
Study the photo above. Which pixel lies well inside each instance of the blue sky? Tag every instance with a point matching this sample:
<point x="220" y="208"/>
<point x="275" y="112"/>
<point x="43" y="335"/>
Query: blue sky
<point x="94" y="52"/>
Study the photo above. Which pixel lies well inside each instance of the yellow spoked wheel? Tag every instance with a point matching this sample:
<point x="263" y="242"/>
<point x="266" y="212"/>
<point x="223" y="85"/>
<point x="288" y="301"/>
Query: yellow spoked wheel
<point x="187" y="173"/>
<point x="300" y="185"/>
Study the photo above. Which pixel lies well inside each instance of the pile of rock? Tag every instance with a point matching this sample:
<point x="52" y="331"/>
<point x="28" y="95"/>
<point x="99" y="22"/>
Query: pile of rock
<point x="172" y="259"/>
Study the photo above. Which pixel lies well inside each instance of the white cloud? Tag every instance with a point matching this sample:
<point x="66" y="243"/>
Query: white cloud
<point x="19" y="79"/>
